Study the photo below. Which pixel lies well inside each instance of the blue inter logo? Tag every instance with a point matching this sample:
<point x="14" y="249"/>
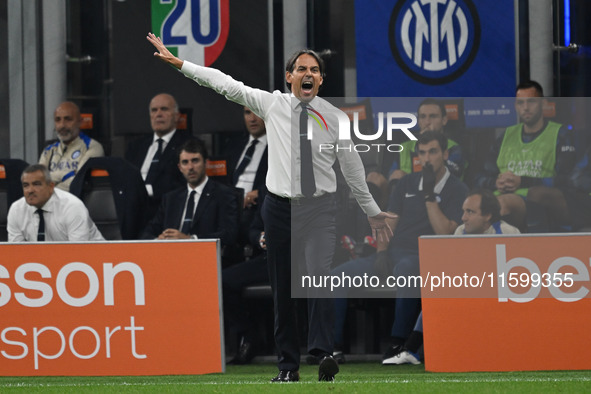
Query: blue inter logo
<point x="434" y="41"/>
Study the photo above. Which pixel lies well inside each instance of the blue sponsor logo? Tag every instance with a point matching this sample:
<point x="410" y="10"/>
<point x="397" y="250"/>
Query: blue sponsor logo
<point x="76" y="154"/>
<point x="434" y="41"/>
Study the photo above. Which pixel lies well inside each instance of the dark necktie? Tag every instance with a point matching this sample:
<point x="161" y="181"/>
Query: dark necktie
<point x="188" y="221"/>
<point x="41" y="231"/>
<point x="245" y="161"/>
<point x="307" y="172"/>
<point x="155" y="161"/>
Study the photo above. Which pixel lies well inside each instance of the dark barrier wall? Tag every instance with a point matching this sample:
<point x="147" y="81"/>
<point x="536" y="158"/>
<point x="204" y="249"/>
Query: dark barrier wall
<point x="138" y="76"/>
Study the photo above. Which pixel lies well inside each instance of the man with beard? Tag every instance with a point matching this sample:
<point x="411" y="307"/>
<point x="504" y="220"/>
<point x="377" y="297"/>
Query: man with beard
<point x="64" y="157"/>
<point x="431" y="116"/>
<point x="425" y="203"/>
<point x="529" y="162"/>
<point x="201" y="209"/>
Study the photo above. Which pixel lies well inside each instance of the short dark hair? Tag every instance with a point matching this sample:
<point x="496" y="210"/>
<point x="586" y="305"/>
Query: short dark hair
<point x="290" y="65"/>
<point x="432" y="101"/>
<point x="193" y="145"/>
<point x="430" y="135"/>
<point x="37" y="167"/>
<point x="530" y="84"/>
<point x="489" y="204"/>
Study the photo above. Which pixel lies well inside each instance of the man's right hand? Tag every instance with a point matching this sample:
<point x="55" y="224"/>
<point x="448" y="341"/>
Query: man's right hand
<point x="508" y="182"/>
<point x="428" y="182"/>
<point x="163" y="53"/>
<point x="251" y="198"/>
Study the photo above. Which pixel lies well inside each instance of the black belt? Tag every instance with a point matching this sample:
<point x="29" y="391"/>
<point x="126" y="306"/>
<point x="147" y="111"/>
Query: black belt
<point x="300" y="200"/>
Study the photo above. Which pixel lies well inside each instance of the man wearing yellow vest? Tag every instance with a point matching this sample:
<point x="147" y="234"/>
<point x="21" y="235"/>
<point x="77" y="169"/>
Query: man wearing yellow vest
<point x="431" y="116"/>
<point x="528" y="162"/>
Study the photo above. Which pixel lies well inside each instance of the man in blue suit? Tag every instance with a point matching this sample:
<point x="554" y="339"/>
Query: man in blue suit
<point x="201" y="209"/>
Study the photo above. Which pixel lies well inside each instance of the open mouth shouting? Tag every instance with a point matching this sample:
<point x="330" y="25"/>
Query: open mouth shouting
<point x="307" y="87"/>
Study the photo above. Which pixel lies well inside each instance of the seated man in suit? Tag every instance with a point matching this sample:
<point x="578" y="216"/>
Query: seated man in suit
<point x="202" y="208"/>
<point x="66" y="156"/>
<point x="156" y="154"/>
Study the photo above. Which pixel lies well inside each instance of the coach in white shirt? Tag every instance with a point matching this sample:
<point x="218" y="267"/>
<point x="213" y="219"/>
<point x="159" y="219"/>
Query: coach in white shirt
<point x="301" y="185"/>
<point x="46" y="213"/>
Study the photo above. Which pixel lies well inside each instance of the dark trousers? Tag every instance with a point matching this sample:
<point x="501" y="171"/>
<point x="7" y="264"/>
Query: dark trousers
<point x="305" y="234"/>
<point x="234" y="279"/>
<point x="408" y="301"/>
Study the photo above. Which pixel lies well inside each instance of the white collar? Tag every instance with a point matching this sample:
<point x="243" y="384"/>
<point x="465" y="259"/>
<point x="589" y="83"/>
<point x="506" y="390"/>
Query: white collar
<point x="166" y="137"/>
<point x="198" y="189"/>
<point x="262" y="139"/>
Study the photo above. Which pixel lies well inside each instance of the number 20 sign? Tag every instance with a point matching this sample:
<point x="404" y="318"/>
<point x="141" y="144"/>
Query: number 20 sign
<point x="196" y="30"/>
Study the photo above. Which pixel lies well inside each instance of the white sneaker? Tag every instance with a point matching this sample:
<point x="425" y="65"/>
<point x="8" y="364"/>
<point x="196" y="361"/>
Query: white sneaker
<point x="403" y="357"/>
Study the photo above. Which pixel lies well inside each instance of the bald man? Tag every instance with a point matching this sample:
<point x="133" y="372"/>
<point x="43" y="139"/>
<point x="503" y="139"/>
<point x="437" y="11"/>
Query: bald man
<point x="64" y="157"/>
<point x="159" y="171"/>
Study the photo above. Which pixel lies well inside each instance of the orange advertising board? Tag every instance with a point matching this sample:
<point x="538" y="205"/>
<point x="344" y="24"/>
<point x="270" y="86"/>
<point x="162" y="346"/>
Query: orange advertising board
<point x="216" y="168"/>
<point x="506" y="303"/>
<point x="116" y="308"/>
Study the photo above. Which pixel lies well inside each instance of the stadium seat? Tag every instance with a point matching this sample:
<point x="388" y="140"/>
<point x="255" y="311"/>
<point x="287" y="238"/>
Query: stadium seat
<point x="98" y="198"/>
<point x="114" y="193"/>
<point x="10" y="189"/>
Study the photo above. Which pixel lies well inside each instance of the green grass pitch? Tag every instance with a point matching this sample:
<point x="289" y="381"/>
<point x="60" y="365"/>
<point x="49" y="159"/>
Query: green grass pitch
<point x="367" y="377"/>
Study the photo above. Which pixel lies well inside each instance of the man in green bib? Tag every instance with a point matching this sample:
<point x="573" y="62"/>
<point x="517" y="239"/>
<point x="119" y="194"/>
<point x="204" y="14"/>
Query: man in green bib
<point x="431" y="116"/>
<point x="528" y="162"/>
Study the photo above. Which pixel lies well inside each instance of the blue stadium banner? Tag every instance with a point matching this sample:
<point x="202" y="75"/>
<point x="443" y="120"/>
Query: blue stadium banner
<point x="437" y="48"/>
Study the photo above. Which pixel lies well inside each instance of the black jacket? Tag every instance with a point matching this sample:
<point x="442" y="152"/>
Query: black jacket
<point x="167" y="176"/>
<point x="216" y="215"/>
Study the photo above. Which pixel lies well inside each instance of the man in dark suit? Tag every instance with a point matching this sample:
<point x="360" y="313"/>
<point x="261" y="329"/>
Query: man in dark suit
<point x="156" y="155"/>
<point x="202" y="208"/>
<point x="247" y="168"/>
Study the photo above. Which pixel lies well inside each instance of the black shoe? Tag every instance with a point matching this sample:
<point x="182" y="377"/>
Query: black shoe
<point x="286" y="376"/>
<point x="392" y="351"/>
<point x="246" y="353"/>
<point x="328" y="369"/>
<point x="339" y="356"/>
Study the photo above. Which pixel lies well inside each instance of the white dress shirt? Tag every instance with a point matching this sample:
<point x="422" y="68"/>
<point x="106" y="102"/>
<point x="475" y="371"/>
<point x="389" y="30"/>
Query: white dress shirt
<point x="198" y="192"/>
<point x="281" y="111"/>
<point x="246" y="179"/>
<point x="66" y="219"/>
